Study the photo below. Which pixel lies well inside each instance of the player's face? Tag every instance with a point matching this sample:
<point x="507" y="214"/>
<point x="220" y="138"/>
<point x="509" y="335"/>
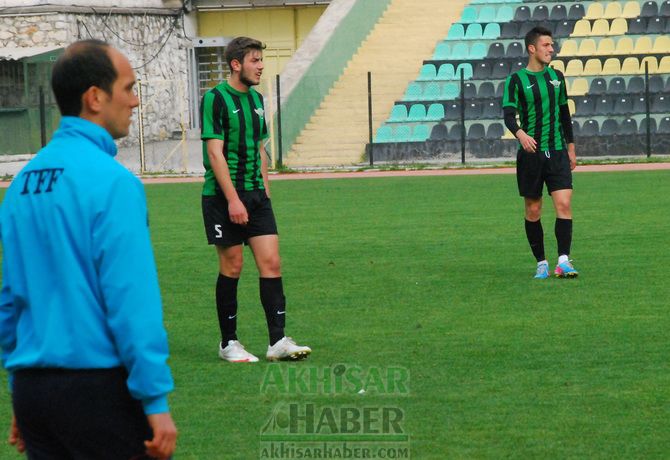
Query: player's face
<point x="544" y="49"/>
<point x="252" y="68"/>
<point x="117" y="107"/>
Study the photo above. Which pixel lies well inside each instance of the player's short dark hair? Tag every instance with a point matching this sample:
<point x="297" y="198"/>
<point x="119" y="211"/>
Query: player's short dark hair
<point x="84" y="64"/>
<point x="239" y="47"/>
<point x="535" y="33"/>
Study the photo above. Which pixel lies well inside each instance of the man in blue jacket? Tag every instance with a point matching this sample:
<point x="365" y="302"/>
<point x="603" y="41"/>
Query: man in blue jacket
<point x="81" y="326"/>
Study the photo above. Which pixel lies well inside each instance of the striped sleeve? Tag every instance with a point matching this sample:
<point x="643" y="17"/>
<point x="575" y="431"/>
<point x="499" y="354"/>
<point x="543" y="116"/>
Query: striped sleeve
<point x="211" y="116"/>
<point x="563" y="95"/>
<point x="510" y="93"/>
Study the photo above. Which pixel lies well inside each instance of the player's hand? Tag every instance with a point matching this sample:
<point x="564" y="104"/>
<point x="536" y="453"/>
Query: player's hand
<point x="15" y="438"/>
<point x="163" y="444"/>
<point x="527" y="142"/>
<point x="237" y="212"/>
<point x="572" y="156"/>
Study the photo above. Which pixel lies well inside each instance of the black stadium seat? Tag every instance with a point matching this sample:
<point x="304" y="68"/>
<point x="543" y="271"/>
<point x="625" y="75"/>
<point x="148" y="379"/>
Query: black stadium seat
<point x="558" y="13"/>
<point x="604" y="105"/>
<point x="598" y="86"/>
<point x="635" y="85"/>
<point x="501" y="89"/>
<point x="473" y="111"/>
<point x="665" y="9"/>
<point x="660" y="103"/>
<point x="454" y="133"/>
<point x="564" y="28"/>
<point x="540" y="13"/>
<point x="510" y="30"/>
<point x="590" y="128"/>
<point x="664" y="126"/>
<point x="500" y="70"/>
<point x="439" y="132"/>
<point x="656" y="25"/>
<point x="515" y="50"/>
<point x="656" y="84"/>
<point x="639" y="104"/>
<point x="576" y="12"/>
<point x="452" y="111"/>
<point x="585" y="106"/>
<point x="649" y="10"/>
<point x="492" y="111"/>
<point x="628" y="127"/>
<point x="482" y="71"/>
<point x="623" y="105"/>
<point x="469" y="91"/>
<point x="476" y="131"/>
<point x="496" y="50"/>
<point x="576" y="129"/>
<point x="617" y="86"/>
<point x="522" y="13"/>
<point x="495" y="131"/>
<point x="643" y="126"/>
<point x="486" y="89"/>
<point x="637" y="26"/>
<point x="609" y="127"/>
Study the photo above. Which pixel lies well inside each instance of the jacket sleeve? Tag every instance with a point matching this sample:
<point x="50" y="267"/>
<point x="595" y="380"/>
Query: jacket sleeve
<point x="129" y="284"/>
<point x="8" y="314"/>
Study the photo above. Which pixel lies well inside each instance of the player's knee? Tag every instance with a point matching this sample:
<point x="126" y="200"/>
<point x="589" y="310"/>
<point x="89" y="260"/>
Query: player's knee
<point x="272" y="266"/>
<point x="232" y="266"/>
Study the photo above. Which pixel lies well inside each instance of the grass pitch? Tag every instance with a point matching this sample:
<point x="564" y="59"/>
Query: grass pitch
<point x="433" y="275"/>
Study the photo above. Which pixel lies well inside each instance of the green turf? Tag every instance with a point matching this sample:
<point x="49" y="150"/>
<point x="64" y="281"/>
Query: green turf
<point x="433" y="275"/>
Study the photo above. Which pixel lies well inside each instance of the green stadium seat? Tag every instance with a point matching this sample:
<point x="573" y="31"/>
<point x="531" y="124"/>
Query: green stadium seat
<point x="491" y="31"/>
<point x="505" y="14"/>
<point x="417" y="112"/>
<point x="456" y="32"/>
<point x="460" y="51"/>
<point x="384" y="134"/>
<point x="474" y="32"/>
<point x="450" y="91"/>
<point x="428" y="72"/>
<point x="478" y="51"/>
<point x="402" y="133"/>
<point x="469" y="15"/>
<point x="442" y="51"/>
<point x="487" y="14"/>
<point x="466" y="68"/>
<point x="413" y="92"/>
<point x="431" y="92"/>
<point x="420" y="133"/>
<point x="445" y="72"/>
<point x="398" y="113"/>
<point x="435" y="112"/>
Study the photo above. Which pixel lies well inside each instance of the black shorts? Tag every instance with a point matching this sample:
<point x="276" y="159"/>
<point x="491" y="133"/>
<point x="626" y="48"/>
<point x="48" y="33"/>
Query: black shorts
<point x="222" y="232"/>
<point x="535" y="169"/>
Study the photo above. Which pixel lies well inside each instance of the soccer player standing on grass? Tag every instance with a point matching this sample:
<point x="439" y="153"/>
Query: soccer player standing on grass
<point x="236" y="203"/>
<point x="81" y="323"/>
<point x="547" y="154"/>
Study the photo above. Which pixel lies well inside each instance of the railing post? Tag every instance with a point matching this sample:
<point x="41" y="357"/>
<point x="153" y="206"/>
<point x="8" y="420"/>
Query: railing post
<point x="280" y="160"/>
<point x="370" y="143"/>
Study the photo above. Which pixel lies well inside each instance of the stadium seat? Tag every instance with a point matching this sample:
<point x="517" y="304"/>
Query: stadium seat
<point x="582" y="28"/>
<point x="579" y="87"/>
<point x="518" y="65"/>
<point x="557" y="64"/>
<point x="460" y="51"/>
<point x="492" y="111"/>
<point x="598" y="86"/>
<point x="649" y="9"/>
<point x="664" y="126"/>
<point x="667" y="85"/>
<point x="592" y="67"/>
<point x="452" y="111"/>
<point x="590" y="128"/>
<point x="661" y="44"/>
<point x="402" y="133"/>
<point x="522" y="14"/>
<point x="384" y="134"/>
<point x="469" y="90"/>
<point x="469" y="15"/>
<point x="652" y="64"/>
<point x="456" y="32"/>
<point x="510" y="30"/>
<point x="587" y="47"/>
<point x="474" y="32"/>
<point x="628" y="127"/>
<point x="491" y="31"/>
<point x="584" y="106"/>
<point x="427" y="72"/>
<point x="576" y="129"/>
<point x="454" y="133"/>
<point x="478" y="51"/>
<point x="417" y="112"/>
<point x="473" y="111"/>
<point x="617" y="85"/>
<point x="476" y="131"/>
<point x="563" y="29"/>
<point x="450" y="91"/>
<point x="643" y="126"/>
<point x="595" y="11"/>
<point x="569" y="48"/>
<point x="540" y="13"/>
<point x="637" y="26"/>
<point x="611" y="66"/>
<point x="413" y="93"/>
<point x="604" y="105"/>
<point x="505" y="14"/>
<point x="623" y="106"/>
<point x="500" y="70"/>
<point x="486" y="90"/>
<point x="465" y="69"/>
<point x="600" y="27"/>
<point x="572" y="107"/>
<point x="514" y="50"/>
<point x="635" y="85"/>
<point x="431" y="92"/>
<point x="442" y="51"/>
<point x="660" y="103"/>
<point x="665" y="9"/>
<point x="495" y="131"/>
<point x="631" y="10"/>
<point x="420" y="133"/>
<point x="487" y="14"/>
<point x="435" y="112"/>
<point x="496" y="50"/>
<point x="606" y="46"/>
<point x="500" y="89"/>
<point x="576" y="12"/>
<point x="643" y="45"/>
<point x="640" y="104"/>
<point x="398" y="113"/>
<point x="609" y="128"/>
<point x="439" y="132"/>
<point x="558" y="13"/>
<point x="619" y="26"/>
<point x="612" y="10"/>
<point x="655" y="26"/>
<point x="630" y="66"/>
<point x="445" y="72"/>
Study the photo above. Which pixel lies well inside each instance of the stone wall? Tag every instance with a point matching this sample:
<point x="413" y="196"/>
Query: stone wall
<point x="154" y="43"/>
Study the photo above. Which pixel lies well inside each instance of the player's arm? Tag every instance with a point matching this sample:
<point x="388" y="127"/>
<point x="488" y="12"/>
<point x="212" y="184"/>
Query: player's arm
<point x="528" y="143"/>
<point x="236" y="210"/>
<point x="264" y="167"/>
<point x="566" y="125"/>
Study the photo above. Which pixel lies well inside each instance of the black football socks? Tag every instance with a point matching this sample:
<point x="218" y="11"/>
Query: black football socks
<point x="535" y="236"/>
<point x="226" y="307"/>
<point x="274" y="304"/>
<point x="563" y="230"/>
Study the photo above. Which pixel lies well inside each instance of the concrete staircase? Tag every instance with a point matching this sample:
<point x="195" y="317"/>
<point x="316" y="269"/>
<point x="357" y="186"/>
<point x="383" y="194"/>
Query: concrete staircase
<point x="394" y="51"/>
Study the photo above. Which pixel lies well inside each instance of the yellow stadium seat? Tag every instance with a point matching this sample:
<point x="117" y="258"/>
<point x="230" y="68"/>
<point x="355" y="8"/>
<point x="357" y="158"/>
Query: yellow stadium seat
<point x="605" y="47"/>
<point x="600" y="27"/>
<point x="619" y="27"/>
<point x="624" y="45"/>
<point x="653" y="64"/>
<point x="579" y="87"/>
<point x="587" y="47"/>
<point x="575" y="68"/>
<point x="662" y="44"/>
<point x="631" y="10"/>
<point x="582" y="28"/>
<point x="595" y="11"/>
<point x="612" y="66"/>
<point x="558" y="65"/>
<point x="664" y="65"/>
<point x="630" y="66"/>
<point x="571" y="106"/>
<point x="612" y="10"/>
<point x="568" y="48"/>
<point x="593" y="67"/>
<point x="642" y="46"/>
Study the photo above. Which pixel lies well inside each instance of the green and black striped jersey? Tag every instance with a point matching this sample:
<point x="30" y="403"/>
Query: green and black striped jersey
<point x="238" y="119"/>
<point x="537" y="96"/>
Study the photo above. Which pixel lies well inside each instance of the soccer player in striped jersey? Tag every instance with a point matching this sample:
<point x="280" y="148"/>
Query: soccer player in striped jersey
<point x="538" y="95"/>
<point x="236" y="203"/>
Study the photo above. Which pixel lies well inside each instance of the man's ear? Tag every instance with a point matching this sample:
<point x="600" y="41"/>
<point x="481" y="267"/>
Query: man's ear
<point x="91" y="100"/>
<point x="531" y="49"/>
<point x="235" y="65"/>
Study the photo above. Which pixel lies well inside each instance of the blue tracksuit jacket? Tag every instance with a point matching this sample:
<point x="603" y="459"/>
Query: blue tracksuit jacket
<point x="80" y="288"/>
